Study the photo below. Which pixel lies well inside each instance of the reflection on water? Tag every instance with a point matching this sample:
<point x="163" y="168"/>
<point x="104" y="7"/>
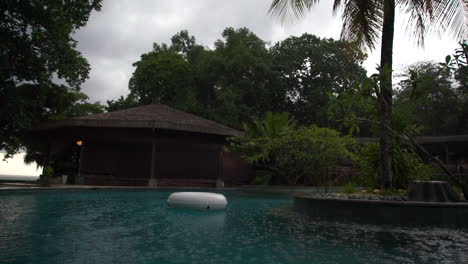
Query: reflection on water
<point x="188" y="221"/>
<point x="16" y="225"/>
<point x="138" y="227"/>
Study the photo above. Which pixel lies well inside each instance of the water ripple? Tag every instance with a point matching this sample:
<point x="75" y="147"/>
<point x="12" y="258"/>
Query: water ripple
<point x="138" y="227"/>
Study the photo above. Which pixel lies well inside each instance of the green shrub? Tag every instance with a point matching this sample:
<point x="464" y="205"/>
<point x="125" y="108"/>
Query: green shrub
<point x="406" y="166"/>
<point x="48" y="171"/>
<point x="261" y="178"/>
<point x="301" y="154"/>
<point x="349" y="188"/>
<point x="294" y="155"/>
<point x="457" y="189"/>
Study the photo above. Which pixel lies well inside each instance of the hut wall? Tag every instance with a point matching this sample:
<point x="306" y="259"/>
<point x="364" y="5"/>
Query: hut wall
<point x="116" y="163"/>
<point x="235" y="172"/>
<point x="125" y="157"/>
<point x="184" y="159"/>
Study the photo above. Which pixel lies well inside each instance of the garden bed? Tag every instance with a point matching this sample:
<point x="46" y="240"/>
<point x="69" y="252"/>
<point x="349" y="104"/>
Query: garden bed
<point x="375" y="209"/>
<point x="291" y="190"/>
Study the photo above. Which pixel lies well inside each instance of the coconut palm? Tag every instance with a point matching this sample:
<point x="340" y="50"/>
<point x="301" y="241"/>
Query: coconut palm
<point x="368" y="21"/>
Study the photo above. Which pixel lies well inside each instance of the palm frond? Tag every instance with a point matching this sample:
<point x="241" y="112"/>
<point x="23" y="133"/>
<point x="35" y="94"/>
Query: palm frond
<point x="451" y="15"/>
<point x="336" y="6"/>
<point x="290" y="12"/>
<point x="427" y="16"/>
<point x="420" y="13"/>
<point x="362" y="22"/>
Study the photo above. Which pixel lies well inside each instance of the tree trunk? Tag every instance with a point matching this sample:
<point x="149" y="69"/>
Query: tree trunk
<point x="385" y="110"/>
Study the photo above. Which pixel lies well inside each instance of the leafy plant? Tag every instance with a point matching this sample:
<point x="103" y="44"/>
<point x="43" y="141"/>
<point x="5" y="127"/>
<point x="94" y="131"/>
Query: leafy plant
<point x="261" y="178"/>
<point x="349" y="188"/>
<point x="262" y="136"/>
<point x="406" y="166"/>
<point x="47" y="173"/>
<point x="272" y="126"/>
<point x="293" y="155"/>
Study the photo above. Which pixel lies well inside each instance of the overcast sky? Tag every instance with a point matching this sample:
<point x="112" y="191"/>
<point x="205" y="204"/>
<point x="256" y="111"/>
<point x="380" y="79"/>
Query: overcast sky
<point x="115" y="38"/>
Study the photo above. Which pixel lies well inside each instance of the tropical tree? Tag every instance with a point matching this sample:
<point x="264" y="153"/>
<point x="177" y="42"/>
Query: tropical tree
<point x="162" y="76"/>
<point x="363" y="22"/>
<point x="227" y="84"/>
<point x="428" y="96"/>
<point x="309" y="68"/>
<point x="458" y="63"/>
<point x="36" y="48"/>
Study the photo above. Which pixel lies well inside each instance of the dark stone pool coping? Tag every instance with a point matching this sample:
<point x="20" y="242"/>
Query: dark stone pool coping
<point x="291" y="190"/>
<point x="397" y="203"/>
<point x="92" y="187"/>
<point x="384" y="212"/>
<point x="254" y="189"/>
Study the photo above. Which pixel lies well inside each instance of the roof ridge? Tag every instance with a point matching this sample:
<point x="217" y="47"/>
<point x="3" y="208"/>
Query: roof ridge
<point x="117" y="111"/>
<point x="159" y="115"/>
<point x="159" y="105"/>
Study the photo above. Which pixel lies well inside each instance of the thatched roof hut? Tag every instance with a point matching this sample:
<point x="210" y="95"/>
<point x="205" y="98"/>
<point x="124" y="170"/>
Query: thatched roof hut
<point x="153" y="116"/>
<point x="152" y="145"/>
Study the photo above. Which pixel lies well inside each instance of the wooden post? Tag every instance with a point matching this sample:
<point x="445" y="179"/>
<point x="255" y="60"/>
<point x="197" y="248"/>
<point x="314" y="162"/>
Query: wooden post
<point x="220" y="180"/>
<point x="153" y="181"/>
<point x="80" y="179"/>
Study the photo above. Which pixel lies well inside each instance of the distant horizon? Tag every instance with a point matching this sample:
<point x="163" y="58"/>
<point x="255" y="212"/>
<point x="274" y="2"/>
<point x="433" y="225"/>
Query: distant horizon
<point x="16" y="166"/>
<point x="6" y="177"/>
<point x="19" y="175"/>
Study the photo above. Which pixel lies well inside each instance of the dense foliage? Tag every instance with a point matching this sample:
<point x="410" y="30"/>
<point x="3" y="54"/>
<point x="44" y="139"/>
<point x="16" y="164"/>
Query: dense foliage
<point x="294" y="155"/>
<point x="406" y="167"/>
<point x="36" y="50"/>
<point x="241" y="77"/>
<point x="369" y="22"/>
<point x="429" y="97"/>
<point x="309" y="69"/>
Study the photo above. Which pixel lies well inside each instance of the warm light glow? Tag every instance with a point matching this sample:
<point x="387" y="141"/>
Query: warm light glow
<point x="79" y="143"/>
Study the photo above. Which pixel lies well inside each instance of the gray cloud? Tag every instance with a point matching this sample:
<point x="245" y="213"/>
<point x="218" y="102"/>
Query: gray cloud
<point x="116" y="37"/>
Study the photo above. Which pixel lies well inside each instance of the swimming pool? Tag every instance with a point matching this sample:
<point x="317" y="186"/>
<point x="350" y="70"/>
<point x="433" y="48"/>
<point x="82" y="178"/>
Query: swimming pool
<point x="109" y="226"/>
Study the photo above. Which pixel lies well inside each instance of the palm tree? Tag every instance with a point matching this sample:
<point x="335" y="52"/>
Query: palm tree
<point x="272" y="126"/>
<point x="364" y="21"/>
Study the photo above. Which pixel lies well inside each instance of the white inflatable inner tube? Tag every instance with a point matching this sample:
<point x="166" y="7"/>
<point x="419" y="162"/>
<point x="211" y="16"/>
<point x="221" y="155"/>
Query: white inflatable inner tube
<point x="197" y="200"/>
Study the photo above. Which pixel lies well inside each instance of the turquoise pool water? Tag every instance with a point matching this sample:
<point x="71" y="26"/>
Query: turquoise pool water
<point x="137" y="227"/>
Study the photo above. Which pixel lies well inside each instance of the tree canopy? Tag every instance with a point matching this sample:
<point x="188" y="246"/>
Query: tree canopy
<point x="37" y="52"/>
<point x="242" y="77"/>
<point x="429" y="97"/>
<point x="309" y="69"/>
<point x="365" y="22"/>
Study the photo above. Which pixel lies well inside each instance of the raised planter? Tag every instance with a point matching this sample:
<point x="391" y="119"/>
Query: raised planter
<point x="431" y="191"/>
<point x="290" y="190"/>
<point x="384" y="212"/>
